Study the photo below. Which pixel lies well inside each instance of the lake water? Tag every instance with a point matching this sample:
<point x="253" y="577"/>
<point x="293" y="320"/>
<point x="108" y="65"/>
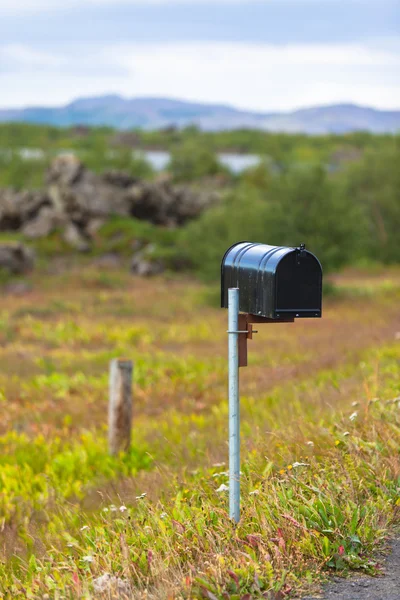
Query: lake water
<point x="235" y="162"/>
<point x="159" y="159"/>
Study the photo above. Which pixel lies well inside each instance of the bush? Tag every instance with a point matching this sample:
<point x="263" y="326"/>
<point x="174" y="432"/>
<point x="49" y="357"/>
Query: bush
<point x="18" y="172"/>
<point x="297" y="206"/>
<point x="194" y="160"/>
<point x="101" y="159"/>
<point x="374" y="186"/>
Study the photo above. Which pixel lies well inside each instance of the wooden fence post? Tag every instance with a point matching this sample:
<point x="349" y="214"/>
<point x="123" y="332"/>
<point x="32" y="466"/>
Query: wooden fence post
<point x="120" y="406"/>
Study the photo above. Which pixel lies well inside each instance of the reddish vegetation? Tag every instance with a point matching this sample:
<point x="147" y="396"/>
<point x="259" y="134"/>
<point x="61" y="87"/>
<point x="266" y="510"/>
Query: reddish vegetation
<point x="48" y="331"/>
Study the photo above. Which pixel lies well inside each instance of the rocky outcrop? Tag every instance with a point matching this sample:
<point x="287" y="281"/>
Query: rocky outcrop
<point x="145" y="264"/>
<point x="81" y="195"/>
<point x="46" y="220"/>
<point x="16" y="258"/>
<point x="76" y="238"/>
<point x="85" y="196"/>
<point x="18" y="208"/>
<point x="165" y="204"/>
<point x="78" y="201"/>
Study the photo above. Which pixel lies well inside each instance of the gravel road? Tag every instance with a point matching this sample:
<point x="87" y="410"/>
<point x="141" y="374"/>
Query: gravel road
<point x="386" y="587"/>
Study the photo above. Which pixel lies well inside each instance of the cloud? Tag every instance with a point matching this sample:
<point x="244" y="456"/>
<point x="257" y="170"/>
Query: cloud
<point x="18" y="56"/>
<point x="257" y="76"/>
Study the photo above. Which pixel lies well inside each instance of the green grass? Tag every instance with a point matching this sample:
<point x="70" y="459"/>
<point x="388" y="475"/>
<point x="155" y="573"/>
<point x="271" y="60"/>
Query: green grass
<point x="118" y="236"/>
<point x="317" y="492"/>
<point x="36" y="471"/>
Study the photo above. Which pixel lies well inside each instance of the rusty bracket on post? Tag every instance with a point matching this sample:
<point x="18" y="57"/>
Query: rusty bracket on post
<point x="246" y="332"/>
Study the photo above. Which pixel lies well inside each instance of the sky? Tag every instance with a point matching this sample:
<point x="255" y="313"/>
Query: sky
<point x="264" y="55"/>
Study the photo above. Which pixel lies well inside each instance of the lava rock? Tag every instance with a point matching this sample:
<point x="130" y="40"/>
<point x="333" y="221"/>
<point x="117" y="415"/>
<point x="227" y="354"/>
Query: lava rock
<point x="16" y="258"/>
<point x="16" y="208"/>
<point x="146" y="265"/>
<point x="45" y="222"/>
<point x="75" y="238"/>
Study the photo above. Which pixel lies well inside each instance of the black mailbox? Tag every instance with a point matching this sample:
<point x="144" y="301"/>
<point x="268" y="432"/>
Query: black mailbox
<point x="274" y="282"/>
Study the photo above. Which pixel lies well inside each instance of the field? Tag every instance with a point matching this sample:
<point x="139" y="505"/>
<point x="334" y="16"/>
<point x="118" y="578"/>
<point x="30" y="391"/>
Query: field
<point x="320" y="427"/>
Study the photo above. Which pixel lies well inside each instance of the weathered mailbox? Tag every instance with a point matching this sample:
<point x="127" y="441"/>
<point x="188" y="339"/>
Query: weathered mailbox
<point x="275" y="282"/>
<point x="268" y="284"/>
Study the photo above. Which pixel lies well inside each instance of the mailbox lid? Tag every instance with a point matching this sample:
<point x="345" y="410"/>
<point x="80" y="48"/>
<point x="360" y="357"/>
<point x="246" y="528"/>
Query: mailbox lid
<point x="251" y="267"/>
<point x="274" y="281"/>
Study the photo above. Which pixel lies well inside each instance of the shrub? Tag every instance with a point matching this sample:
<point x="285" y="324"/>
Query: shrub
<point x="194" y="160"/>
<point x="300" y="205"/>
<point x="374" y="186"/>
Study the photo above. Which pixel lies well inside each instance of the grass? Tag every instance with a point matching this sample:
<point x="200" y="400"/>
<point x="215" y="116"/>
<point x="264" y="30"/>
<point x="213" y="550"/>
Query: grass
<point x="320" y="428"/>
<point x="118" y="236"/>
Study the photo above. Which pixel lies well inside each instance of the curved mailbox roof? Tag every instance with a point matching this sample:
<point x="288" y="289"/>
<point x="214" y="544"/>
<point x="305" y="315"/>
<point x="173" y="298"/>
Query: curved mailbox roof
<point x="274" y="281"/>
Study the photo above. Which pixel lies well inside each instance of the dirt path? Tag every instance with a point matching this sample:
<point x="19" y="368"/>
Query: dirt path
<point x="386" y="587"/>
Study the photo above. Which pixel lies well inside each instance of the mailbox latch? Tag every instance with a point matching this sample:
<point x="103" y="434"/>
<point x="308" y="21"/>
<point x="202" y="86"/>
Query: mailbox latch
<point x="301" y="253"/>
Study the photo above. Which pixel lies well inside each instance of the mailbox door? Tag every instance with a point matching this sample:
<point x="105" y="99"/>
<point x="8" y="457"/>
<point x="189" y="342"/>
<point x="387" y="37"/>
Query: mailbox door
<point x="299" y="285"/>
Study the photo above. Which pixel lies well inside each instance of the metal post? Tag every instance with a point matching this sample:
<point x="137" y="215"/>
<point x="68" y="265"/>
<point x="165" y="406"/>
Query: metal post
<point x="234" y="408"/>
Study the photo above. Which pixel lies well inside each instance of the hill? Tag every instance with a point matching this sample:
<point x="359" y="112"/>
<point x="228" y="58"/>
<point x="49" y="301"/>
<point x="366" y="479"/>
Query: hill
<point x="155" y="113"/>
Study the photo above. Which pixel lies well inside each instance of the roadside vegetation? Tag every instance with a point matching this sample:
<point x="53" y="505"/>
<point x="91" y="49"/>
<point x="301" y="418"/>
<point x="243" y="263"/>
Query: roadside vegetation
<point x="320" y="426"/>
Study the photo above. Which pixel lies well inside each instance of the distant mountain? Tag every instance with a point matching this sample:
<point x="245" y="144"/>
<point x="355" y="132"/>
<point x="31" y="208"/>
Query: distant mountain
<point x="156" y="113"/>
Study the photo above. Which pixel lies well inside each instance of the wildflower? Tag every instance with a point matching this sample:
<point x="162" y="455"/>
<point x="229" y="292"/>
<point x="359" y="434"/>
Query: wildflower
<point x="113" y="508"/>
<point x="254" y="493"/>
<point x="353" y="416"/>
<point x="296" y="465"/>
<point x="122" y="508"/>
<point x="290" y="467"/>
<point x="346" y="433"/>
<point x="107" y="583"/>
<point x="282" y="471"/>
<point x="84" y="527"/>
<point x="223" y="488"/>
<point x="88" y="558"/>
<point x="310" y="443"/>
<point x="163" y="515"/>
<point x="141" y="496"/>
<point x="221" y="474"/>
<point x="105" y="509"/>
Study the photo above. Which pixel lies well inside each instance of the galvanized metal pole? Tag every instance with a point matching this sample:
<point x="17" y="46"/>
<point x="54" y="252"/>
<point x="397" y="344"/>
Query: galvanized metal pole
<point x="234" y="408"/>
